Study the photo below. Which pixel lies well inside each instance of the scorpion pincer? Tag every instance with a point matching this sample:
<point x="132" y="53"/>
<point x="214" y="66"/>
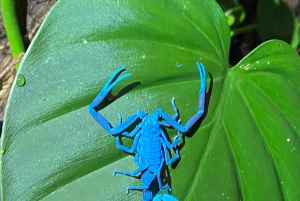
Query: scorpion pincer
<point x="150" y="144"/>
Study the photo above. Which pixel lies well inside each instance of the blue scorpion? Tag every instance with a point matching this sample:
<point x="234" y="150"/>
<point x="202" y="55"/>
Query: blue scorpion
<point x="150" y="144"/>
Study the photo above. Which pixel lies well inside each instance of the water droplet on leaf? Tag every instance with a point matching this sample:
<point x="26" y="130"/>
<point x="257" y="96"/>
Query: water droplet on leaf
<point x="21" y="80"/>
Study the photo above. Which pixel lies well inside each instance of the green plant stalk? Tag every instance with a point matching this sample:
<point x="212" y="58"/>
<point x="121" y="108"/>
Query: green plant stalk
<point x="243" y="29"/>
<point x="12" y="29"/>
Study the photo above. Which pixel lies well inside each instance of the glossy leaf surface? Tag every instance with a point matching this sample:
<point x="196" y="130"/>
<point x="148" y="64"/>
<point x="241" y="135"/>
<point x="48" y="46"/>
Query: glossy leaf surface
<point x="235" y="16"/>
<point x="54" y="150"/>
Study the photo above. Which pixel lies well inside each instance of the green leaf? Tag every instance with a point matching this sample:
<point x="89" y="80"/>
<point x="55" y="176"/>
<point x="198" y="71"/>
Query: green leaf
<point x="277" y="21"/>
<point x="261" y="122"/>
<point x="235" y="16"/>
<point x="54" y="150"/>
<point x="247" y="147"/>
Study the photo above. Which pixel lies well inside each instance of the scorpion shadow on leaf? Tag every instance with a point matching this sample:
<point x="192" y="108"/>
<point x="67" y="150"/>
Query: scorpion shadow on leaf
<point x="111" y="98"/>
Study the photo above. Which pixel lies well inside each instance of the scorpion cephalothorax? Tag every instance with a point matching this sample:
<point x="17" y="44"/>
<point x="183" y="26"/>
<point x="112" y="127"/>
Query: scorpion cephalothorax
<point x="150" y="144"/>
<point x="150" y="122"/>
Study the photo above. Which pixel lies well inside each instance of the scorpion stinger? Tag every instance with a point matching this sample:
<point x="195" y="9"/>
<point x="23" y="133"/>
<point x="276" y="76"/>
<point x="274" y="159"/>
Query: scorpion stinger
<point x="150" y="143"/>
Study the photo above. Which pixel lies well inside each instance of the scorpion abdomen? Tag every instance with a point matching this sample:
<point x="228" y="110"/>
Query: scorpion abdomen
<point x="150" y="151"/>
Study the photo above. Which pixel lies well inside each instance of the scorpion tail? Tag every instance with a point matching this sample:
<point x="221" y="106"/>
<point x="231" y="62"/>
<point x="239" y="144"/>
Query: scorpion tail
<point x="147" y="195"/>
<point x="164" y="197"/>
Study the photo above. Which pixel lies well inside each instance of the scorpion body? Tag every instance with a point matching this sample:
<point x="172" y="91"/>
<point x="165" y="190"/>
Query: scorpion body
<point x="150" y="144"/>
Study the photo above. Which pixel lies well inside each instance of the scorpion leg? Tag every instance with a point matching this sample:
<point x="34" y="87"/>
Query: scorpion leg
<point x="126" y="149"/>
<point x="113" y="81"/>
<point x="200" y="111"/>
<point x="132" y="133"/>
<point x="176" y="115"/>
<point x="136" y="158"/>
<point x="165" y="124"/>
<point x="132" y="174"/>
<point x="177" y="139"/>
<point x="160" y="185"/>
<point x="173" y="159"/>
<point x="135" y="188"/>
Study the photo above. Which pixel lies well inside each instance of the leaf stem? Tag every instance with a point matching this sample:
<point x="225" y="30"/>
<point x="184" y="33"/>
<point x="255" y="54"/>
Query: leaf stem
<point x="10" y="21"/>
<point x="243" y="29"/>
